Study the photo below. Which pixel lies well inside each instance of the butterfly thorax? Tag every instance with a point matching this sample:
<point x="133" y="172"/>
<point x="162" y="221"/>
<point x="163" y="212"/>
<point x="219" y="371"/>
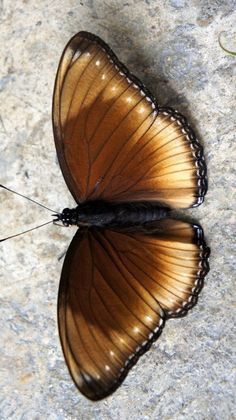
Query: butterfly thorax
<point x="103" y="213"/>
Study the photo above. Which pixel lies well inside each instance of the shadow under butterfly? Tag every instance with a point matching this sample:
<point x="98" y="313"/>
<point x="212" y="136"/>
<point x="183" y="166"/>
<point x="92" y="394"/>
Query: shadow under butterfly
<point x="127" y="163"/>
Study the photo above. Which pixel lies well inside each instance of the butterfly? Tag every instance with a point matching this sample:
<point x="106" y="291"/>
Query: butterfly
<point x="130" y="266"/>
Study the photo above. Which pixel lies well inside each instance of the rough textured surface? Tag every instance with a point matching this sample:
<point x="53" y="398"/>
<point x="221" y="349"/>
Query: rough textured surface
<point x="173" y="47"/>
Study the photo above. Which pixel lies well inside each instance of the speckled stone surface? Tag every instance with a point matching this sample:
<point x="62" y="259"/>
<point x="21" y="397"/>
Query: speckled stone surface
<point x="173" y="47"/>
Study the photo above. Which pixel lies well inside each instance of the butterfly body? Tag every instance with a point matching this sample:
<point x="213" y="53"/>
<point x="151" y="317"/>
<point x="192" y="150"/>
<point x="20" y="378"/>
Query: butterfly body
<point x="99" y="213"/>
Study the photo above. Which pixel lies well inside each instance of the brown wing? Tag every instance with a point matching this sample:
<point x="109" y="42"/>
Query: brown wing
<point x="113" y="140"/>
<point x="117" y="288"/>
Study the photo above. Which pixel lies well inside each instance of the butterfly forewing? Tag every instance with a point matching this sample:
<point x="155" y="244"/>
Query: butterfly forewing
<point x="113" y="141"/>
<point x="117" y="288"/>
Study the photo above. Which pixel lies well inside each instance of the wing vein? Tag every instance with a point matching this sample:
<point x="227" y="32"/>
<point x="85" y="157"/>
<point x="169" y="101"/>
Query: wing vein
<point x="126" y="278"/>
<point x="164" y="273"/>
<point x="116" y="156"/>
<point x="115" y="129"/>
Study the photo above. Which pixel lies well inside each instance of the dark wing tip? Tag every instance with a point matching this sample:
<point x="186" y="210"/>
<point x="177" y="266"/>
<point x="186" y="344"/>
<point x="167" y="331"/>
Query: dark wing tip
<point x="117" y="62"/>
<point x="132" y="360"/>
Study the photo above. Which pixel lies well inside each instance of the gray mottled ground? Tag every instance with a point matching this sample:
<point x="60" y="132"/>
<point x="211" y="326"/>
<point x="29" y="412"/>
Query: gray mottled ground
<point x="173" y="47"/>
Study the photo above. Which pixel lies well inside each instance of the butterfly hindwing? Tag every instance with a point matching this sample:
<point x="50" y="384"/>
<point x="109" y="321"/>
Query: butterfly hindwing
<point x="117" y="289"/>
<point x="113" y="140"/>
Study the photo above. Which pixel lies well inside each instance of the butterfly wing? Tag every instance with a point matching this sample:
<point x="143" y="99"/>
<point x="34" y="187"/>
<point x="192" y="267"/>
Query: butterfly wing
<point x="117" y="289"/>
<point x="113" y="140"/>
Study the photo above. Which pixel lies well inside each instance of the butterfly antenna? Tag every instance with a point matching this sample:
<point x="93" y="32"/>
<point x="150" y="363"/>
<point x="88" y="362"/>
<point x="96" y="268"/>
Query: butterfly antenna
<point x="25" y="231"/>
<point x="30" y="199"/>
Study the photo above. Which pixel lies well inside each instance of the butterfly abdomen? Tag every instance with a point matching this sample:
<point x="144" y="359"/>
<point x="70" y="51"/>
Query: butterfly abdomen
<point x="106" y="214"/>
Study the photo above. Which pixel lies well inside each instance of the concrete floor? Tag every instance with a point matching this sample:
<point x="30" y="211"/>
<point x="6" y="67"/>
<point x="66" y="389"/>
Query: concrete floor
<point x="172" y="46"/>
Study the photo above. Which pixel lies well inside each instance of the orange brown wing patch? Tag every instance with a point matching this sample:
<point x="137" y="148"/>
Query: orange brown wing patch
<point x="117" y="289"/>
<point x="113" y="140"/>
